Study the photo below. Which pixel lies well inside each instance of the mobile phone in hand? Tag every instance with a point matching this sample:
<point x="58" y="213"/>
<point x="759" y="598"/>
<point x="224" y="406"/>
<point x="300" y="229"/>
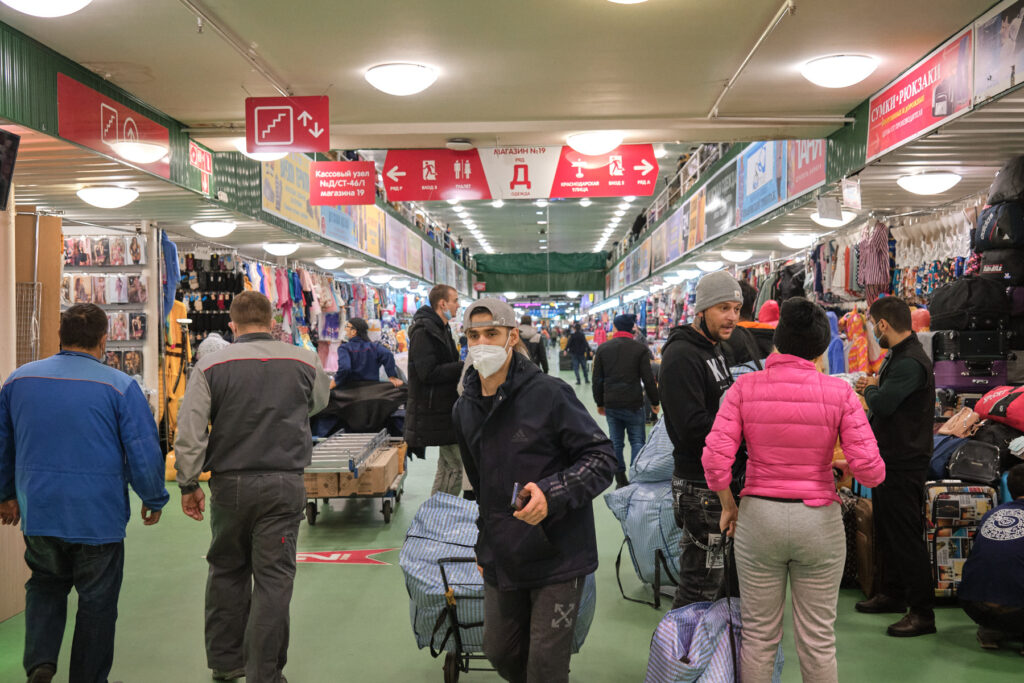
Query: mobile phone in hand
<point x="520" y="497"/>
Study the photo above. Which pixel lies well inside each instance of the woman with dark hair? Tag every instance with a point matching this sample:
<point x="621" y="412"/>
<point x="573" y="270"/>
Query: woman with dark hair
<point x="788" y="525"/>
<point x="360" y="360"/>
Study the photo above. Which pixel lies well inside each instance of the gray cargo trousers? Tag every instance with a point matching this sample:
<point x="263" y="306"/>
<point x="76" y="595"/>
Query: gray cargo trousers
<point x="255" y="519"/>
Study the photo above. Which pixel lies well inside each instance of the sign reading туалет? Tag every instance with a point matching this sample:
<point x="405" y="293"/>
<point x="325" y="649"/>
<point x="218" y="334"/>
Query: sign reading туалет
<point x="287" y="124"/>
<point x="336" y="183"/>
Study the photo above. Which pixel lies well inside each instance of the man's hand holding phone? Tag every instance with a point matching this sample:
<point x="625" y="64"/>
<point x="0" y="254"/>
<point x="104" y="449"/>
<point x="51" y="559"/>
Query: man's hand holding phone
<point x="529" y="504"/>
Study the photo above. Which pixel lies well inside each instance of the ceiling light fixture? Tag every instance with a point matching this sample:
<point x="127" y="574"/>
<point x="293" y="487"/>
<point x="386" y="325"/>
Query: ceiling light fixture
<point x="629" y="199"/>
<point x="213" y="229"/>
<point x="357" y="272"/>
<point x="627" y="2"/>
<point x="797" y="241"/>
<point x="839" y="71"/>
<point x="933" y="182"/>
<point x="709" y="266"/>
<point x="139" y="152"/>
<point x="329" y="262"/>
<point x="689" y="273"/>
<point x="660" y="152"/>
<point x="241" y="146"/>
<point x="595" y="143"/>
<point x="620" y="213"/>
<point x="543" y="246"/>
<point x="510" y="295"/>
<point x="832" y="222"/>
<point x="624" y="206"/>
<point x="381" y="278"/>
<point x="401" y="78"/>
<point x="542" y="222"/>
<point x="452" y="201"/>
<point x="541" y="203"/>
<point x="585" y="202"/>
<point x="401" y="283"/>
<point x="108" y="197"/>
<point x="280" y="248"/>
<point x="47" y="8"/>
<point x="674" y="279"/>
<point x="737" y="255"/>
<point x="497" y="203"/>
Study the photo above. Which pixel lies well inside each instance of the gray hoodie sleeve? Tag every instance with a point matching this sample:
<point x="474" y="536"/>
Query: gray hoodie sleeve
<point x="321" y="388"/>
<point x="192" y="433"/>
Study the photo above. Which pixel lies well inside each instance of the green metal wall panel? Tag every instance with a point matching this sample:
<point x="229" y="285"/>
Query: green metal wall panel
<point x="586" y="281"/>
<point x="848" y="146"/>
<point x="529" y="264"/>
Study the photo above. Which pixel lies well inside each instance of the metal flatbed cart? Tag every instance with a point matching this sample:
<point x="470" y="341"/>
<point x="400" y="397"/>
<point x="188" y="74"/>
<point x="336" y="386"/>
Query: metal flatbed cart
<point x="338" y="463"/>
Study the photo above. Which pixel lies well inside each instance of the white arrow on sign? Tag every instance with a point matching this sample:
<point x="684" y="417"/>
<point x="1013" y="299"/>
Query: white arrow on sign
<point x="645" y="168"/>
<point x="395" y="174"/>
<point x="316" y="130"/>
<point x="305" y="117"/>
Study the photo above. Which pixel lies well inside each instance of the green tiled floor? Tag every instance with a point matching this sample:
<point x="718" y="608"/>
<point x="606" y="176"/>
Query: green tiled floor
<point x="351" y="623"/>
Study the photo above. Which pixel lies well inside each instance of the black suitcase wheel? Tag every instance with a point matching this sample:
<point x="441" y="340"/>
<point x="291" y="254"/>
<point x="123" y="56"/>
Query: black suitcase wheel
<point x="386" y="509"/>
<point x="311" y="513"/>
<point x="451" y="668"/>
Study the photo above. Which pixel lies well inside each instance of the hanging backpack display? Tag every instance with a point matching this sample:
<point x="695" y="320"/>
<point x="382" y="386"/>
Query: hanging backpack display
<point x="970" y="304"/>
<point x="1000" y="226"/>
<point x="1003" y="265"/>
<point x="1009" y="183"/>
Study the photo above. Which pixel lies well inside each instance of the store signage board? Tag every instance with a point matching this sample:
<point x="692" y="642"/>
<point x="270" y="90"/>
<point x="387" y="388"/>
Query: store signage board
<point x="344" y="557"/>
<point x="200" y="158"/>
<point x="695" y="236"/>
<point x="829" y="209"/>
<point x="628" y="170"/>
<point x="98" y="122"/>
<point x="761" y="180"/>
<point x="335" y="183"/>
<point x="479" y="286"/>
<point x="933" y="92"/>
<point x="423" y="175"/>
<point x="395" y="241"/>
<point x="805" y="166"/>
<point x="427" y="262"/>
<point x="414" y="254"/>
<point x="659" y="247"/>
<point x="288" y="124"/>
<point x="851" y="193"/>
<point x="999" y="50"/>
<point x="720" y="203"/>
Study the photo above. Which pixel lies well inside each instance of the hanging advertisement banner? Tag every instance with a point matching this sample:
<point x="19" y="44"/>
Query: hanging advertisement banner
<point x="452" y="279"/>
<point x="286" y="191"/>
<point x="371" y="230"/>
<point x="628" y="170"/>
<point x="427" y="262"/>
<point x="643" y="267"/>
<point x="414" y="254"/>
<point x="341" y="226"/>
<point x="696" y="233"/>
<point x="659" y="247"/>
<point x="720" y="205"/>
<point x="933" y="92"/>
<point x="422" y="175"/>
<point x="462" y="279"/>
<point x="999" y="50"/>
<point x="673" y="241"/>
<point x="805" y="167"/>
<point x="440" y="269"/>
<point x="620" y="280"/>
<point x="761" y="180"/>
<point x="396" y="236"/>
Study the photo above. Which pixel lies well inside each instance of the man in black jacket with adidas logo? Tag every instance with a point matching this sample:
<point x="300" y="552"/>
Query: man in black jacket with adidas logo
<point x="517" y="425"/>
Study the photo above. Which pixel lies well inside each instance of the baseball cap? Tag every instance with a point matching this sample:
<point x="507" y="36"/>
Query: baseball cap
<point x="501" y="313"/>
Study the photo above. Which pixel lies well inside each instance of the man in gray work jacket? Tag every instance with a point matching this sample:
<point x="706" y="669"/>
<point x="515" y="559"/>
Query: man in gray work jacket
<point x="257" y="396"/>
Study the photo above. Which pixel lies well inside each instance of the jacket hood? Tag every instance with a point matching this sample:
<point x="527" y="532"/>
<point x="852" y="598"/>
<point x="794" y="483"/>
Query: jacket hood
<point x="427" y="314"/>
<point x="833" y="323"/>
<point x="688" y="334"/>
<point x="528" y="332"/>
<point x="520" y="371"/>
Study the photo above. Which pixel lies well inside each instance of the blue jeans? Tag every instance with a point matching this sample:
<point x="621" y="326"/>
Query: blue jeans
<point x="94" y="571"/>
<point x="577" y="363"/>
<point x="623" y="422"/>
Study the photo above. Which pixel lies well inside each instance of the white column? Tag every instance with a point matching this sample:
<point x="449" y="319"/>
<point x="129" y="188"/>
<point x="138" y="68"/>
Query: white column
<point x="8" y="292"/>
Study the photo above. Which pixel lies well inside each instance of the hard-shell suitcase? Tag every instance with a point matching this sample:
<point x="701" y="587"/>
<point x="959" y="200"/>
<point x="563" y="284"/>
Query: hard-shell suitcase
<point x="978" y="376"/>
<point x="953" y="511"/>
<point x="971" y="345"/>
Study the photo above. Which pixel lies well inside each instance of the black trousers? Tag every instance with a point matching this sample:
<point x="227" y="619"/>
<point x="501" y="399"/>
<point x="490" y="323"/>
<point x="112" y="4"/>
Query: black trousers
<point x="904" y="565"/>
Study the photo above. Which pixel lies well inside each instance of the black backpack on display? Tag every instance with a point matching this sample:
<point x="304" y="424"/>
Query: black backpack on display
<point x="1000" y="226"/>
<point x="1009" y="183"/>
<point x="976" y="462"/>
<point x="970" y="304"/>
<point x="1000" y="436"/>
<point x="1003" y="265"/>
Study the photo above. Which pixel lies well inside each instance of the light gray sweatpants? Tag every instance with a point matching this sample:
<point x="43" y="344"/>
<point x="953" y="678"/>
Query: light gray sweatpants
<point x="448" y="477"/>
<point x="807" y="545"/>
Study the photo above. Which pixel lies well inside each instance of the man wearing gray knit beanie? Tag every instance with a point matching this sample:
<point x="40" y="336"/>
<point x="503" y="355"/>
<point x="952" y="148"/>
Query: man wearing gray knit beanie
<point x="694" y="376"/>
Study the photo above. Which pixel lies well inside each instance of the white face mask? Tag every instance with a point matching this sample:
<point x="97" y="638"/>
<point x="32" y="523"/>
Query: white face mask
<point x="487" y="358"/>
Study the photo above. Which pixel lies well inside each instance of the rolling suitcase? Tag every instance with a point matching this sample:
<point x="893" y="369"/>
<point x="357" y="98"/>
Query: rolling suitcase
<point x="978" y="376"/>
<point x="971" y="345"/>
<point x="953" y="510"/>
<point x="867" y="564"/>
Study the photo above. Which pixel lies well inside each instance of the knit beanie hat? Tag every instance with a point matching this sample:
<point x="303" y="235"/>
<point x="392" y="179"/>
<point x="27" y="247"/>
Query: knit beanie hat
<point x="803" y="329"/>
<point x="717" y="288"/>
<point x="624" y="322"/>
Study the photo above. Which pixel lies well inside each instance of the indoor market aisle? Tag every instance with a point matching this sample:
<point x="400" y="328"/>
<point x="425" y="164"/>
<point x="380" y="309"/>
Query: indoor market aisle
<point x="351" y="622"/>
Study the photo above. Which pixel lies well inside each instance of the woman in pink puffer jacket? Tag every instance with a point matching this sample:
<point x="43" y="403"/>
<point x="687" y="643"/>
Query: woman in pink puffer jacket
<point x="789" y="523"/>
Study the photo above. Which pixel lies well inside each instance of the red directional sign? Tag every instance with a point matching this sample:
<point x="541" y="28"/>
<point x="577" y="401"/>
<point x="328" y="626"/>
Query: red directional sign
<point x="413" y="175"/>
<point x="343" y="557"/>
<point x="287" y="124"/>
<point x="341" y="183"/>
<point x="626" y="170"/>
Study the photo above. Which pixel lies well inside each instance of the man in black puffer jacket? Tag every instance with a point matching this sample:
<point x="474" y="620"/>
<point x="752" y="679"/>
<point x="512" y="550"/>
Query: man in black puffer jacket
<point x="434" y="372"/>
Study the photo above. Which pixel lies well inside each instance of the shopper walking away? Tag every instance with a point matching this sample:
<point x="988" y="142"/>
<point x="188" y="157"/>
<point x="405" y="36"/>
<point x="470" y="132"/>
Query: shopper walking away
<point x="361" y="360"/>
<point x="694" y="375"/>
<point x="536" y="345"/>
<point x="69" y="488"/>
<point x="790" y="525"/>
<point x="521" y="431"/>
<point x="434" y="372"/>
<point x="257" y="396"/>
<point x="620" y="366"/>
<point x="901" y="401"/>
<point x="579" y="349"/>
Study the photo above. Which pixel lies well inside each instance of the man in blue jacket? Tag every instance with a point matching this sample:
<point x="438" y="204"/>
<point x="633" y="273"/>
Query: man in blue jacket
<point x="74" y="434"/>
<point x="519" y="426"/>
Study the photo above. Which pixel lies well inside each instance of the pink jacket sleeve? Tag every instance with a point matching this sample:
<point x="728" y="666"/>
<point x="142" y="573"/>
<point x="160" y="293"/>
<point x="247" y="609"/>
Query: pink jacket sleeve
<point x="859" y="445"/>
<point x="724" y="440"/>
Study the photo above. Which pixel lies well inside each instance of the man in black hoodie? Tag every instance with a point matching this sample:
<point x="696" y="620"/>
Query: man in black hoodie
<point x="694" y="375"/>
<point x="523" y="431"/>
<point x="579" y="348"/>
<point x="434" y="372"/>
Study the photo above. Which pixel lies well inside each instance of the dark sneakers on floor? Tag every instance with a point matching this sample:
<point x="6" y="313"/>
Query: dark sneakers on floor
<point x="988" y="638"/>
<point x="911" y="625"/>
<point x="43" y="673"/>
<point x="231" y="675"/>
<point x="881" y="604"/>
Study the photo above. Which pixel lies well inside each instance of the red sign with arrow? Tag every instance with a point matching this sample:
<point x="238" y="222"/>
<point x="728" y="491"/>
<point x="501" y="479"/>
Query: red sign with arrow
<point x="625" y="171"/>
<point x="343" y="557"/>
<point x="412" y="175"/>
<point x="287" y="124"/>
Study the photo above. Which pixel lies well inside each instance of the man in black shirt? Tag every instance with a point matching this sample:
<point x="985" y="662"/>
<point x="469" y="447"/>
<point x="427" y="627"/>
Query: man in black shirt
<point x="579" y="348"/>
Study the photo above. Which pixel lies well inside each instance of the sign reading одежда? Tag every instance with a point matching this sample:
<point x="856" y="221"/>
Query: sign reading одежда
<point x="336" y="183"/>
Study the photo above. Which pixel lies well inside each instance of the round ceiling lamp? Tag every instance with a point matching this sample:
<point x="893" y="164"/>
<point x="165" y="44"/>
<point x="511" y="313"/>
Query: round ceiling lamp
<point x="213" y="229"/>
<point x="400" y="283"/>
<point x="511" y="295"/>
<point x="797" y="240"/>
<point x="737" y="255"/>
<point x="934" y="182"/>
<point x="585" y="202"/>
<point x="329" y="262"/>
<point x="572" y="295"/>
<point x="357" y="272"/>
<point x="107" y="197"/>
<point x="47" y="8"/>
<point x="497" y="203"/>
<point x="280" y="248"/>
<point x="240" y="145"/>
<point x="140" y="152"/>
<point x="689" y="273"/>
<point x="452" y="202"/>
<point x="674" y="279"/>
<point x="839" y="71"/>
<point x="660" y="152"/>
<point x="832" y="222"/>
<point x="401" y="78"/>
<point x="595" y="143"/>
<point x="709" y="266"/>
<point x="381" y="278"/>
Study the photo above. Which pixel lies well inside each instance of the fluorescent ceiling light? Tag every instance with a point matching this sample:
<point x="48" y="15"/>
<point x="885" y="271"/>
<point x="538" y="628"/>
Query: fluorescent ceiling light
<point x="497" y="203"/>
<point x="140" y="152"/>
<point x="629" y="199"/>
<point x="572" y="294"/>
<point x="797" y="241"/>
<point x="624" y="206"/>
<point x="240" y="145"/>
<point x="709" y="266"/>
<point x="542" y="241"/>
<point x="674" y="279"/>
<point x="542" y="222"/>
<point x="47" y="8"/>
<point x="615" y="221"/>
<point x="401" y="283"/>
<point x="620" y="213"/>
<point x="689" y="273"/>
<point x="541" y="203"/>
<point x="585" y="202"/>
<point x="737" y="255"/>
<point x="401" y="78"/>
<point x="935" y="182"/>
<point x="595" y="143"/>
<point x="329" y="262"/>
<point x="543" y="246"/>
<point x="660" y="152"/>
<point x="838" y="71"/>
<point x="452" y="201"/>
<point x="381" y="278"/>
<point x="511" y="295"/>
<point x="832" y="222"/>
<point x="213" y="229"/>
<point x="357" y="272"/>
<point x="280" y="248"/>
<point x="108" y="197"/>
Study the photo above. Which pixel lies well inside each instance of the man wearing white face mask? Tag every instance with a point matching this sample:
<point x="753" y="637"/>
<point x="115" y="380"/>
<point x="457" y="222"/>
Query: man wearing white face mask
<point x="536" y="459"/>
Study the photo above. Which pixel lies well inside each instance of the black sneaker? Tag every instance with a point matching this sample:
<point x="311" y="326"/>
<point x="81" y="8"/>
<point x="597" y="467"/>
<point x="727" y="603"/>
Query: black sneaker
<point x="912" y="625"/>
<point x="43" y="673"/>
<point x="881" y="604"/>
<point x="988" y="638"/>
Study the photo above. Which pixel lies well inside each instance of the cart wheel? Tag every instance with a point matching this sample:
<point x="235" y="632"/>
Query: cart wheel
<point x="311" y="513"/>
<point x="387" y="511"/>
<point x="451" y="668"/>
